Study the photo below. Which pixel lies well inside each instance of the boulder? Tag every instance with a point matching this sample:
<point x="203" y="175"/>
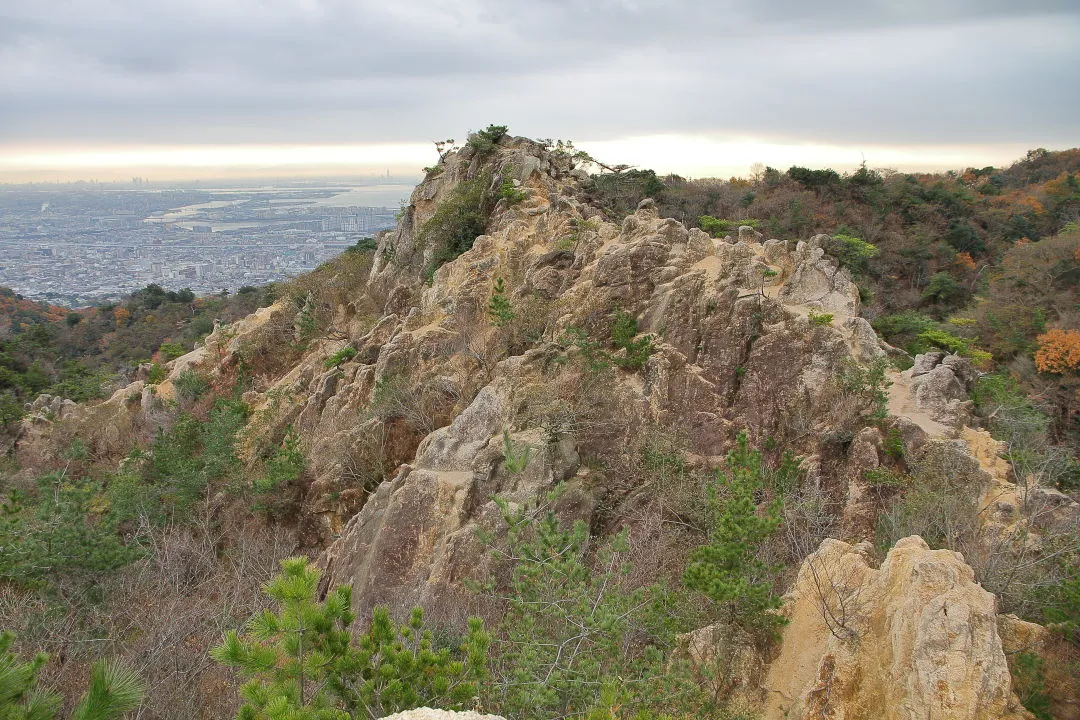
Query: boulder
<point x="939" y="387"/>
<point x="914" y="639"/>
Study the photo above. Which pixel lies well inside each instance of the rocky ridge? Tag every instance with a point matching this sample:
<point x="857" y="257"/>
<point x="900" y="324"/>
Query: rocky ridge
<point x="435" y="392"/>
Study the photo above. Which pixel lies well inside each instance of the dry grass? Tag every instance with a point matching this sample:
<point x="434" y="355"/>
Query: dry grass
<point x="160" y="615"/>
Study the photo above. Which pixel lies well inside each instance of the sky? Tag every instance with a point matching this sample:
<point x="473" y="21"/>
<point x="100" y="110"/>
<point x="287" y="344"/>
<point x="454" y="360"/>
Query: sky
<point x="202" y="88"/>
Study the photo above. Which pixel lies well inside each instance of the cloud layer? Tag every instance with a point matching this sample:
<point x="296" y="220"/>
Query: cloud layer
<point x="91" y="72"/>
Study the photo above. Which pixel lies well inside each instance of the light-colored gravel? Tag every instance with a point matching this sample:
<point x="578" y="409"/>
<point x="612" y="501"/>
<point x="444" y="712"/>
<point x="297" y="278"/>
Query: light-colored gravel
<point x="433" y="714"/>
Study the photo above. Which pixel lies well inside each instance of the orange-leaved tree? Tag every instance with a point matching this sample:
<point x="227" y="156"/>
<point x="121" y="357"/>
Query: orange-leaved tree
<point x="1059" y="351"/>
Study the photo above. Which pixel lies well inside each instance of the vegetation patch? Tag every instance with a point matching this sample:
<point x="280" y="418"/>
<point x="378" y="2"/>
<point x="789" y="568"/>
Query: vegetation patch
<point x="341" y="356"/>
<point x="635" y="350"/>
<point x="719" y="228"/>
<point x="457" y="222"/>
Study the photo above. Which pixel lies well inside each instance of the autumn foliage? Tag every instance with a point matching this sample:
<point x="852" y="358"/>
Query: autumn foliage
<point x="1059" y="351"/>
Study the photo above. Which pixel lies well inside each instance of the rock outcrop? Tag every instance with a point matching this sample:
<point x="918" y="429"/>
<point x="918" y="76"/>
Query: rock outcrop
<point x="733" y="350"/>
<point x="939" y="386"/>
<point x="432" y="714"/>
<point x="914" y="639"/>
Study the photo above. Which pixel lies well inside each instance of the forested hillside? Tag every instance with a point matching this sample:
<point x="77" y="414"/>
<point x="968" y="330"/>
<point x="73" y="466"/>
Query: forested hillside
<point x="987" y="259"/>
<point x="85" y="354"/>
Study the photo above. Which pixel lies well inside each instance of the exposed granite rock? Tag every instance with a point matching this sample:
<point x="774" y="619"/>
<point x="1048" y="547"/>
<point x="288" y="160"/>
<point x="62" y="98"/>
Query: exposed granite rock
<point x="914" y="639"/>
<point x="817" y="278"/>
<point x="431" y="714"/>
<point x="939" y="385"/>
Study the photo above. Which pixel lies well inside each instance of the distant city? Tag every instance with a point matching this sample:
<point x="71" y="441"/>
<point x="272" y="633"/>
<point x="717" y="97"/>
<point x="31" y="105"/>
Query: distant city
<point x="86" y="243"/>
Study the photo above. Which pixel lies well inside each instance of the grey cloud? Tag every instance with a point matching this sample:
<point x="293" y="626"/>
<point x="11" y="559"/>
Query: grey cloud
<point x="347" y="71"/>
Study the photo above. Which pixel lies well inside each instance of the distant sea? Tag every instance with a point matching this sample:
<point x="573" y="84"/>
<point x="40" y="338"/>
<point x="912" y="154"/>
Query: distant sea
<point x="369" y="196"/>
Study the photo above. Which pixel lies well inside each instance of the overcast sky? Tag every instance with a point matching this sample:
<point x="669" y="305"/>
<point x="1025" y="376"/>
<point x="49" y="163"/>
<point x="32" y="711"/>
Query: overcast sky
<point x="691" y="83"/>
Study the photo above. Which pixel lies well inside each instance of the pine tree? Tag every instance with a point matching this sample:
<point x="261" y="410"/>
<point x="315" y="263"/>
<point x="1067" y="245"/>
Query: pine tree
<point x="20" y="698"/>
<point x="302" y="664"/>
<point x="500" y="309"/>
<point x="574" y="638"/>
<point x="291" y="654"/>
<point x="66" y="530"/>
<point x="728" y="569"/>
<point x="398" y="668"/>
<point x="114" y="689"/>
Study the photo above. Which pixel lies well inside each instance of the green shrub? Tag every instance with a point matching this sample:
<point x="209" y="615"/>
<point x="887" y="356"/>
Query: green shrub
<point x="515" y="460"/>
<point x="363" y="245"/>
<point x="820" y="319"/>
<point x="851" y="252"/>
<point x="943" y="289"/>
<point x="63" y="529"/>
<point x="594" y="357"/>
<point x="457" y="222"/>
<point x="952" y="343"/>
<point x="156" y="374"/>
<point x="728" y="569"/>
<point x="171" y="351"/>
<point x="718" y="228"/>
<point x="636" y="351"/>
<point x="883" y="477"/>
<point x="114" y="689"/>
<point x="813" y="179"/>
<point x="893" y="444"/>
<point x="484" y="141"/>
<point x="341" y="356"/>
<point x="903" y="328"/>
<point x="571" y="627"/>
<point x="282" y="469"/>
<point x="1030" y="684"/>
<point x="500" y="309"/>
<point x="165" y="483"/>
<point x="870" y="382"/>
<point x="302" y="662"/>
<point x="79" y="383"/>
<point x="511" y="193"/>
<point x="11" y="410"/>
<point x="190" y="385"/>
<point x="965" y="238"/>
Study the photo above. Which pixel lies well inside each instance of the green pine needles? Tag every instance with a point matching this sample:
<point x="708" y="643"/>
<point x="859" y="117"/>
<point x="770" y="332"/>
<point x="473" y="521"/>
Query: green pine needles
<point x="727" y="568"/>
<point x="636" y="351"/>
<point x="575" y="640"/>
<point x="302" y="663"/>
<point x="114" y="689"/>
<point x="500" y="309"/>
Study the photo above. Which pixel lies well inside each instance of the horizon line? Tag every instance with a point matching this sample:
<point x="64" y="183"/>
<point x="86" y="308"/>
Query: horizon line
<point x="687" y="155"/>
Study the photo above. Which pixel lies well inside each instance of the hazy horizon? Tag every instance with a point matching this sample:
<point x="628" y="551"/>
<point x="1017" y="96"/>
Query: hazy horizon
<point x="213" y="88"/>
<point x="688" y="156"/>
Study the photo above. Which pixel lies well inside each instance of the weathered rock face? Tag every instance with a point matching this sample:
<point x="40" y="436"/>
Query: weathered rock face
<point x="914" y="639"/>
<point x="816" y="279"/>
<point x="414" y="540"/>
<point x="939" y="384"/>
<point x="730" y="354"/>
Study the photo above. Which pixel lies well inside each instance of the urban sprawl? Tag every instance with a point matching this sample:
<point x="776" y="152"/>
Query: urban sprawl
<point x="83" y="245"/>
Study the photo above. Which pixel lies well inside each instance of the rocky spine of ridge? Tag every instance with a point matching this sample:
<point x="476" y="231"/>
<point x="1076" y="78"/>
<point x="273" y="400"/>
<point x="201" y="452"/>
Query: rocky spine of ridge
<point x="735" y="349"/>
